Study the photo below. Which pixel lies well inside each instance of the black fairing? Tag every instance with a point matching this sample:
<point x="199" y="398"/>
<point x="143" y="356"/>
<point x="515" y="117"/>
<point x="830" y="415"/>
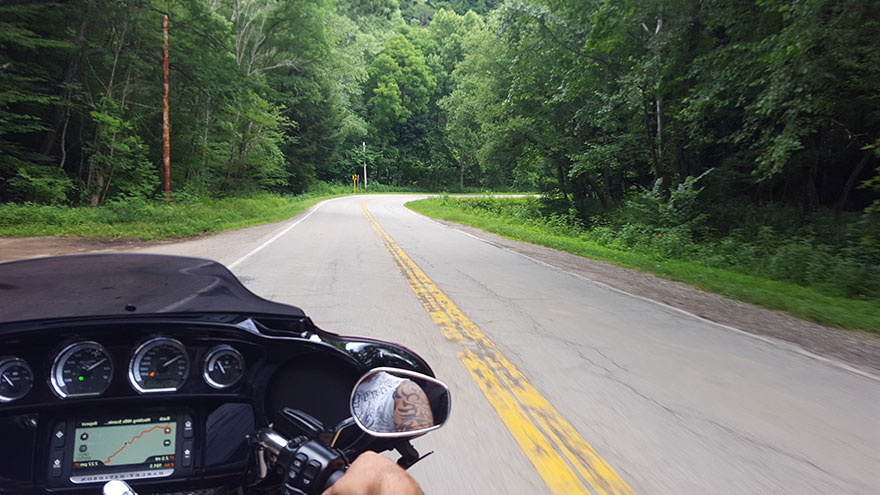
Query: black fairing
<point x="118" y="284"/>
<point x="120" y="300"/>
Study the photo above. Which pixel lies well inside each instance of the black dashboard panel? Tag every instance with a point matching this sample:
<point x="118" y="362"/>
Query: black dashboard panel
<point x="108" y="351"/>
<point x="279" y="371"/>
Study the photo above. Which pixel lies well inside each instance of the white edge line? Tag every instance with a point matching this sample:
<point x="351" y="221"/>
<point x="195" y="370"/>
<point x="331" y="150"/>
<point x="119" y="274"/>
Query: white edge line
<point x="278" y="235"/>
<point x="769" y="340"/>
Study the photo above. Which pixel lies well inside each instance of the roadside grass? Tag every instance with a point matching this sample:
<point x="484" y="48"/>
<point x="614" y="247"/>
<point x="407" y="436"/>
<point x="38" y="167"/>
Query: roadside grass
<point x="186" y="216"/>
<point x="805" y="302"/>
<point x="152" y="220"/>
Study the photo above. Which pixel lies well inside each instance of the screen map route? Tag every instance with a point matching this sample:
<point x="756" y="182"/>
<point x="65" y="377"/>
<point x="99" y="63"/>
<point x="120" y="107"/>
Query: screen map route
<point x="123" y="442"/>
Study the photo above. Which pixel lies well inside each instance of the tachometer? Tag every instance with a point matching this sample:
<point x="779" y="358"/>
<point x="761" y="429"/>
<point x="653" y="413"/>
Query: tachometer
<point x="159" y="365"/>
<point x="83" y="369"/>
<point x="16" y="379"/>
<point x="224" y="367"/>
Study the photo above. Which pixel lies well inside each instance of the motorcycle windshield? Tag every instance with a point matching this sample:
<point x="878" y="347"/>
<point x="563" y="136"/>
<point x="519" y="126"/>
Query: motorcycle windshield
<point x="124" y="284"/>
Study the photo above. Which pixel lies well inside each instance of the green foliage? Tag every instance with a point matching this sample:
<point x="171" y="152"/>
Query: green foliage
<point x="787" y="273"/>
<point x="616" y="110"/>
<point x="145" y="219"/>
<point x="400" y="84"/>
<point x="25" y="85"/>
<point x="816" y="252"/>
<point x="40" y="185"/>
<point x="118" y="154"/>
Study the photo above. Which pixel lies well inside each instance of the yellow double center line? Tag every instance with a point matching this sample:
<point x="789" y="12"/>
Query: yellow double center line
<point x="561" y="456"/>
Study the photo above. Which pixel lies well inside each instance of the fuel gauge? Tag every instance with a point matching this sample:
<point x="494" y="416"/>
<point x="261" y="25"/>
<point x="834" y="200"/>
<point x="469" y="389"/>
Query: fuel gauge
<point x="16" y="379"/>
<point x="224" y="367"/>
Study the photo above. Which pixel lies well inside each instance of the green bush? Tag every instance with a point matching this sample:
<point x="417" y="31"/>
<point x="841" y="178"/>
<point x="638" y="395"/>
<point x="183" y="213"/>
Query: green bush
<point x="821" y="250"/>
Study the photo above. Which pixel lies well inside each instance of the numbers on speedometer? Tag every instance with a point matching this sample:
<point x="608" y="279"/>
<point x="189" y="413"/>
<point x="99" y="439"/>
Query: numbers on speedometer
<point x="159" y="365"/>
<point x="83" y="369"/>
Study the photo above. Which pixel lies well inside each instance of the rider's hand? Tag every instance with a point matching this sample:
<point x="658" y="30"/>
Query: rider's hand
<point x="374" y="474"/>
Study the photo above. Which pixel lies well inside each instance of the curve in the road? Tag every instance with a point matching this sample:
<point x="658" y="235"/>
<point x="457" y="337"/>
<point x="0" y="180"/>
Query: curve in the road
<point x="560" y="455"/>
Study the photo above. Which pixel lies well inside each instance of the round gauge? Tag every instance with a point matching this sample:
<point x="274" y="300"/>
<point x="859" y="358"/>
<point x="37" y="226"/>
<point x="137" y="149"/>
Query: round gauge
<point x="83" y="369"/>
<point x="16" y="379"/>
<point x="224" y="367"/>
<point x="159" y="365"/>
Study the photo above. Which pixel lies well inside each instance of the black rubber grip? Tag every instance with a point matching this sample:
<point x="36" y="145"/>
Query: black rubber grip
<point x="333" y="478"/>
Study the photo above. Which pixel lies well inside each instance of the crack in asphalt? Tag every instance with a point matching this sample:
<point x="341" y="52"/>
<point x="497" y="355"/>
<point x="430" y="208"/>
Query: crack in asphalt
<point x="684" y="418"/>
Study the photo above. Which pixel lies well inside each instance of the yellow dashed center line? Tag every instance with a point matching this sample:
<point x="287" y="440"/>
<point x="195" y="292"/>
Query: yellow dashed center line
<point x="563" y="459"/>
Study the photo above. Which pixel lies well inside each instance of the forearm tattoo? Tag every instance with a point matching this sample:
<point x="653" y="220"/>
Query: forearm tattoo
<point x="412" y="411"/>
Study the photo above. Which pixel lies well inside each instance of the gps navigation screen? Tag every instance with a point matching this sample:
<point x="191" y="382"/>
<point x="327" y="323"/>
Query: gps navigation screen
<point x="141" y="447"/>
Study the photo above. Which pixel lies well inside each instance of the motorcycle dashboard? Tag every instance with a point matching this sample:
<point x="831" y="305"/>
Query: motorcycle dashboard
<point x="164" y="402"/>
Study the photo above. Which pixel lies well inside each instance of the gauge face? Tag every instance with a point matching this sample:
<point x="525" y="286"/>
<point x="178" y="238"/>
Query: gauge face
<point x="16" y="379"/>
<point x="159" y="365"/>
<point x="224" y="367"/>
<point x="83" y="369"/>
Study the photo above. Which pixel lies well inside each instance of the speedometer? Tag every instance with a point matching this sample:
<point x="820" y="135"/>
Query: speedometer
<point x="83" y="369"/>
<point x="159" y="365"/>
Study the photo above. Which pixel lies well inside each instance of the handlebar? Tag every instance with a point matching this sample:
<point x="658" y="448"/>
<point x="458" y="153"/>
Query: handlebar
<point x="306" y="466"/>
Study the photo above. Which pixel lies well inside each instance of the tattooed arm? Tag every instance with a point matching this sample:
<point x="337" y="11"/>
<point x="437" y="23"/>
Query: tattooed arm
<point x="412" y="411"/>
<point x="374" y="474"/>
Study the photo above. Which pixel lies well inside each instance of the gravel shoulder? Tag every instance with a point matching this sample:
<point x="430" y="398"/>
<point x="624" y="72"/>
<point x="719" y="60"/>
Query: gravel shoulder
<point x="859" y="350"/>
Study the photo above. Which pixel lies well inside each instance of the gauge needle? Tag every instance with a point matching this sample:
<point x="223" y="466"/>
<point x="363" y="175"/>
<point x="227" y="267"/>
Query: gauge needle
<point x="6" y="378"/>
<point x="90" y="368"/>
<point x="221" y="368"/>
<point x="166" y="363"/>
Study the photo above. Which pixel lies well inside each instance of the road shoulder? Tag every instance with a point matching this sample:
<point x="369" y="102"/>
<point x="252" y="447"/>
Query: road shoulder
<point x="858" y="350"/>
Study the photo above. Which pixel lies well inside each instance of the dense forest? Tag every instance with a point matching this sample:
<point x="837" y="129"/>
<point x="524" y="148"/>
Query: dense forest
<point x="590" y="101"/>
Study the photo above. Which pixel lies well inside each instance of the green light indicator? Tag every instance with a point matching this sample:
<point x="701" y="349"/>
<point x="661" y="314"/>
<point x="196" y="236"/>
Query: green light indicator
<point x="81" y="378"/>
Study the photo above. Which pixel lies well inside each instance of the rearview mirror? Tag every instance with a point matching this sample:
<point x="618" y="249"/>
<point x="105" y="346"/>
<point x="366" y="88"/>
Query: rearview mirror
<point x="397" y="403"/>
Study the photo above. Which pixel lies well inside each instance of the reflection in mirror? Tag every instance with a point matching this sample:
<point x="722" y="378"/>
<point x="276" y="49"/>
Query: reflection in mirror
<point x="391" y="402"/>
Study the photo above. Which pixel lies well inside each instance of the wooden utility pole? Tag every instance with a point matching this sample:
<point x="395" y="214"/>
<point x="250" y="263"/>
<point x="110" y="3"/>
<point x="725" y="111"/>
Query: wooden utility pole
<point x="365" y="164"/>
<point x="166" y="132"/>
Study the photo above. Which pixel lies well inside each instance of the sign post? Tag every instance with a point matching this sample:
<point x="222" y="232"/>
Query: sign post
<point x="354" y="180"/>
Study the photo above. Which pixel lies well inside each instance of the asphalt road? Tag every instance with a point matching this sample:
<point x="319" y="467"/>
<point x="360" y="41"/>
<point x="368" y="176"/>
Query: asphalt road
<point x="561" y="385"/>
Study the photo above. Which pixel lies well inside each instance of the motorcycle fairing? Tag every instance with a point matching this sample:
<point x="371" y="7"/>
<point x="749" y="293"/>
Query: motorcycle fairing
<point x="124" y="284"/>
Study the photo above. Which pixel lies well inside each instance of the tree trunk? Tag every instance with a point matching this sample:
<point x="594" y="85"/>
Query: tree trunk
<point x="61" y="116"/>
<point x="598" y="192"/>
<point x="851" y="182"/>
<point x="646" y="117"/>
<point x="606" y="184"/>
<point x="461" y="173"/>
<point x="812" y="194"/>
<point x="561" y="175"/>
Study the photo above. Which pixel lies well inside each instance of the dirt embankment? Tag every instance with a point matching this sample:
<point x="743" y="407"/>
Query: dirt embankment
<point x="18" y="248"/>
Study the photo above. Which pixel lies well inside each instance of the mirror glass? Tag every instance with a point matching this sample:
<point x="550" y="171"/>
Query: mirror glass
<point x="392" y="402"/>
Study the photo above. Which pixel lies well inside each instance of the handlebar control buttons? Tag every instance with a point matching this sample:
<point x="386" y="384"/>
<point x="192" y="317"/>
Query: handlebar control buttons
<point x="16" y="379"/>
<point x="224" y="367"/>
<point x="83" y="369"/>
<point x="159" y="365"/>
<point x="310" y="472"/>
